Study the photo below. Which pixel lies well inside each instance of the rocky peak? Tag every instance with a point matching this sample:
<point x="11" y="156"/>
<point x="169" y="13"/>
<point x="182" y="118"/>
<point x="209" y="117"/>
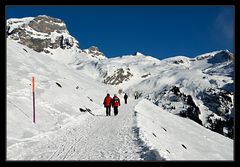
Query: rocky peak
<point x="46" y="24"/>
<point x="41" y="33"/>
<point x="94" y="52"/>
<point x="221" y="56"/>
<point x="217" y="56"/>
<point x="93" y="49"/>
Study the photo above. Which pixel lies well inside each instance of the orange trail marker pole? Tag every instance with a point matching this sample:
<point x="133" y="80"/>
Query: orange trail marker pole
<point x="33" y="99"/>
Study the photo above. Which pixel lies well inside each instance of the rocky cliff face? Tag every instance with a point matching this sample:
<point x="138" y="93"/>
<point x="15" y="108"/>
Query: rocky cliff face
<point x="118" y="77"/>
<point x="218" y="101"/>
<point x="41" y="33"/>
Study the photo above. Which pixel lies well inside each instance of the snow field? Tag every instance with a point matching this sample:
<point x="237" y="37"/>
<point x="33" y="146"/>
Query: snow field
<point x="177" y="138"/>
<point x="90" y="138"/>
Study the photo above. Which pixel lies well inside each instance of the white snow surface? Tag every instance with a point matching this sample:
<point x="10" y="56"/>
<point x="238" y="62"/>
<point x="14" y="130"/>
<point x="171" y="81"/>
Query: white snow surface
<point x="54" y="105"/>
<point x="62" y="132"/>
<point x="85" y="137"/>
<point x="177" y="138"/>
<point x="18" y="22"/>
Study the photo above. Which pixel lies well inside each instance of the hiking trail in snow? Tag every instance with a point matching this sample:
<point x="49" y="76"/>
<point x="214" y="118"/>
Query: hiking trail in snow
<point x="95" y="138"/>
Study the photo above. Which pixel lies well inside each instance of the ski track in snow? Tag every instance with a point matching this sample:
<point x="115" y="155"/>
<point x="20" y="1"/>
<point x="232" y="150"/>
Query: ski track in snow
<point x="95" y="138"/>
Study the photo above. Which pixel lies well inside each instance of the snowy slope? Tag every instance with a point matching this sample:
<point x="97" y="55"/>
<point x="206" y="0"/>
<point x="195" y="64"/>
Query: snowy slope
<point x="206" y="80"/>
<point x="177" y="138"/>
<point x="86" y="137"/>
<point x="55" y="105"/>
<point x="58" y="116"/>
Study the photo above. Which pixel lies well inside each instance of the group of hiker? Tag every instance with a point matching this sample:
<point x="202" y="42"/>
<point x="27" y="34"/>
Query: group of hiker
<point x="115" y="103"/>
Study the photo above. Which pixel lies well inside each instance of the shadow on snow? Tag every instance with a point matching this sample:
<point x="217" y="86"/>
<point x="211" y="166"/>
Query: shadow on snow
<point x="145" y="152"/>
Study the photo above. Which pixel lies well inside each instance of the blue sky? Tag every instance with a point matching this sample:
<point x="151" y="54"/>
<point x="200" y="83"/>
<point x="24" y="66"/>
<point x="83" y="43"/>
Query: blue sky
<point x="158" y="31"/>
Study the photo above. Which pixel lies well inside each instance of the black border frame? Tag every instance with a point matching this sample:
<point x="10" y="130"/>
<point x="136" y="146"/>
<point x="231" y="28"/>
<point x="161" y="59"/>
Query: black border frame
<point x="134" y="3"/>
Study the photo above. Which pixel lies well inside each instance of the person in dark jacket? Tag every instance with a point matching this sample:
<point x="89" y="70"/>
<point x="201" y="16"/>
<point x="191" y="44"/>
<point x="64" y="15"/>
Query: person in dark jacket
<point x="136" y="95"/>
<point x="107" y="103"/>
<point x="115" y="104"/>
<point x="125" y="98"/>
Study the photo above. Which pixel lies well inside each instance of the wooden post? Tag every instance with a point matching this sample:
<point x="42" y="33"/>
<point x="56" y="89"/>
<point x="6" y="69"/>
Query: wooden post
<point x="33" y="99"/>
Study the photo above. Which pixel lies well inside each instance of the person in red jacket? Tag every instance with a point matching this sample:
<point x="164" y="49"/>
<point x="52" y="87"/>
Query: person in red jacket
<point x="107" y="104"/>
<point x="115" y="104"/>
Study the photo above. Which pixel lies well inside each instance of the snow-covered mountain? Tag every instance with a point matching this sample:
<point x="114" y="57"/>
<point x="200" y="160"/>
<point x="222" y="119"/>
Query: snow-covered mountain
<point x="200" y="88"/>
<point x="94" y="52"/>
<point x="71" y="84"/>
<point x="45" y="34"/>
<point x="41" y="33"/>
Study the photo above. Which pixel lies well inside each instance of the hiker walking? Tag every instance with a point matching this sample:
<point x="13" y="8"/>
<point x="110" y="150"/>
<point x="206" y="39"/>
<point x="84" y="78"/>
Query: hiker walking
<point x="136" y="94"/>
<point x="107" y="103"/>
<point x="125" y="98"/>
<point x="115" y="104"/>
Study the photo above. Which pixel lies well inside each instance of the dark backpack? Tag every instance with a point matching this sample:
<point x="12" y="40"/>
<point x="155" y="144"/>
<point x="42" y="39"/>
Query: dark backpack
<point x="115" y="100"/>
